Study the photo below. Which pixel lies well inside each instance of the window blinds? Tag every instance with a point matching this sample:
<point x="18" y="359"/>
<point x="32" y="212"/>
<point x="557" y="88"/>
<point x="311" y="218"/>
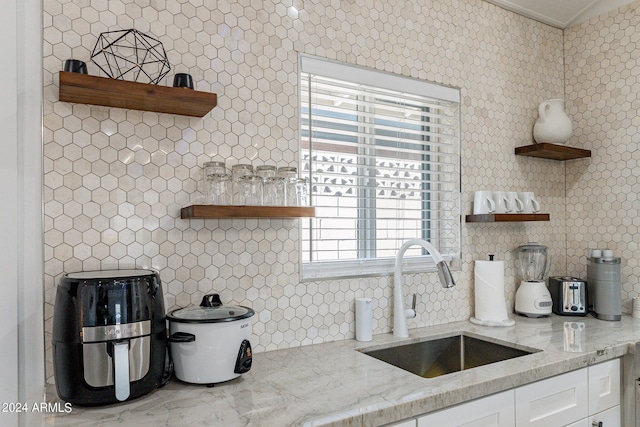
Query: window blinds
<point x="383" y="166"/>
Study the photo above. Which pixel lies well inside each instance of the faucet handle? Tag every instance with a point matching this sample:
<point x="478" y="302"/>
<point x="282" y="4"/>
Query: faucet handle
<point x="410" y="313"/>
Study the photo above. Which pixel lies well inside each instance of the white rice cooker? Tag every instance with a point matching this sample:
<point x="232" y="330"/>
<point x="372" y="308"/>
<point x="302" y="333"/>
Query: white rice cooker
<point x="210" y="343"/>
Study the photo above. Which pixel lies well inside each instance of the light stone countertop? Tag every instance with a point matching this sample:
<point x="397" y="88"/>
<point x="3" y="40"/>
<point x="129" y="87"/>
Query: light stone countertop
<point x="334" y="384"/>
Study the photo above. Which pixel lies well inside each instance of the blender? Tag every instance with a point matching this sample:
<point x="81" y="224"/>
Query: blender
<point x="533" y="298"/>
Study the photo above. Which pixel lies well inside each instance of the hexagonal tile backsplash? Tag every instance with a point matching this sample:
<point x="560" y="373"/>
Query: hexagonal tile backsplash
<point x="115" y="179"/>
<point x="603" y="194"/>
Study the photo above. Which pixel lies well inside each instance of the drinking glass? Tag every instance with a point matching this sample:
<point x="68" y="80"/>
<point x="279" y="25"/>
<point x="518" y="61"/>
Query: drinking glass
<point x="266" y="171"/>
<point x="302" y="192"/>
<point x="210" y="168"/>
<point x="214" y="168"/>
<point x="249" y="191"/>
<point x="218" y="189"/>
<point x="273" y="191"/>
<point x="238" y="172"/>
<point x="287" y="172"/>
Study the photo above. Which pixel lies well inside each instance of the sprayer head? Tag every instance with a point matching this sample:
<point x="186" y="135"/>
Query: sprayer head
<point x="445" y="275"/>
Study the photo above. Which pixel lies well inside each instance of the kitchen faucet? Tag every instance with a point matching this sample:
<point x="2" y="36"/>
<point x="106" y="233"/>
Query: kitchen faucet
<point x="400" y="315"/>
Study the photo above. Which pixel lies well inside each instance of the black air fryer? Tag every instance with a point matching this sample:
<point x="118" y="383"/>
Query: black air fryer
<point x="109" y="336"/>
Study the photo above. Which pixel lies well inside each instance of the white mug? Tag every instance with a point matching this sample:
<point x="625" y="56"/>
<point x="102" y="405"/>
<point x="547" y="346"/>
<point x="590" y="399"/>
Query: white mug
<point x="516" y="204"/>
<point x="502" y="203"/>
<point x="529" y="202"/>
<point x="483" y="203"/>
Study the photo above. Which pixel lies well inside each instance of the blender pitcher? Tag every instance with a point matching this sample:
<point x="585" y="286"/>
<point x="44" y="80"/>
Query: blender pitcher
<point x="533" y="298"/>
<point x="534" y="262"/>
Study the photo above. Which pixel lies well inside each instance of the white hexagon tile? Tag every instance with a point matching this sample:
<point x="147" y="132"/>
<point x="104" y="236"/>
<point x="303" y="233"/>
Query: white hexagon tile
<point x="603" y="193"/>
<point x="115" y="180"/>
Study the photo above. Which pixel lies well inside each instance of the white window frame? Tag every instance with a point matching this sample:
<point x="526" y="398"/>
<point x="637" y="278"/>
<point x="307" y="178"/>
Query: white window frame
<point x="382" y="80"/>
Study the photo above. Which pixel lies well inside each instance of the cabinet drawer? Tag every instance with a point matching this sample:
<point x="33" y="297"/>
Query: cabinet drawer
<point x="608" y="418"/>
<point x="556" y="401"/>
<point x="604" y="386"/>
<point x="492" y="411"/>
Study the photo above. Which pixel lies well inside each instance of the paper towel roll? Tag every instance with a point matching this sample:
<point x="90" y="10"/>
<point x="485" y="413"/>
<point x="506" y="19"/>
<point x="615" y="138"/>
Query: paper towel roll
<point x="364" y="319"/>
<point x="489" y="292"/>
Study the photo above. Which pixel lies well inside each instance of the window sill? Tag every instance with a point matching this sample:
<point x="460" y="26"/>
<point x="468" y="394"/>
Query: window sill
<point x="334" y="270"/>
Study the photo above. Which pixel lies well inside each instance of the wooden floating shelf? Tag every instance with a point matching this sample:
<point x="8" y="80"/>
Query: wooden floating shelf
<point x="86" y="89"/>
<point x="552" y="151"/>
<point x="507" y="217"/>
<point x="220" y="211"/>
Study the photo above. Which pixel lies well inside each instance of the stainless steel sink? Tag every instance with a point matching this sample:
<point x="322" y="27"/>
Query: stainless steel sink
<point x="442" y="356"/>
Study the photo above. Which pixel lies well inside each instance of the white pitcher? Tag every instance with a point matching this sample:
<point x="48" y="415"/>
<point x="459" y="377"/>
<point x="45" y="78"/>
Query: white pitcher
<point x="553" y="125"/>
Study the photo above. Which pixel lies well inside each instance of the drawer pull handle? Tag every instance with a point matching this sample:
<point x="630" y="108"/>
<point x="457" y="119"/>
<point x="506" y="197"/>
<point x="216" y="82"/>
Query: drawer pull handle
<point x="597" y="424"/>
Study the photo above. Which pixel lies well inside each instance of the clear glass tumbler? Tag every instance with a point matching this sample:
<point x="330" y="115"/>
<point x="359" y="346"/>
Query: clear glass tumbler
<point x="273" y="191"/>
<point x="290" y="174"/>
<point x="287" y="172"/>
<point x="210" y="168"/>
<point x="296" y="192"/>
<point x="290" y="192"/>
<point x="302" y="192"/>
<point x="238" y="172"/>
<point x="266" y="171"/>
<point x="218" y="189"/>
<point x="214" y="168"/>
<point x="249" y="191"/>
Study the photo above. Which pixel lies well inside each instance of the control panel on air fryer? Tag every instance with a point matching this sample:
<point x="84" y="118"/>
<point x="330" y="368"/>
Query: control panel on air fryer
<point x="115" y="303"/>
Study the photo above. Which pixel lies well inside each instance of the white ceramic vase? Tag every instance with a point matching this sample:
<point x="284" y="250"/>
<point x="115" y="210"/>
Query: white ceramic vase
<point x="553" y="125"/>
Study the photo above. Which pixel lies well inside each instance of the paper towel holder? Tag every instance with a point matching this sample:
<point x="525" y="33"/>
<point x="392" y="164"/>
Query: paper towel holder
<point x="486" y="322"/>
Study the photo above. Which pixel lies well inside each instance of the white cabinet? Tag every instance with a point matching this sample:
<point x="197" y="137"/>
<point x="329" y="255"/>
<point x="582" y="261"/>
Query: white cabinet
<point x="582" y="398"/>
<point x="570" y="399"/>
<point x="608" y="418"/>
<point x="604" y="394"/>
<point x="496" y="410"/>
<point x="556" y="401"/>
<point x="604" y="386"/>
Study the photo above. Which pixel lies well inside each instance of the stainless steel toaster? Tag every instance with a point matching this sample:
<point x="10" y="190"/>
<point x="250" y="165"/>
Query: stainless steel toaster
<point x="569" y="295"/>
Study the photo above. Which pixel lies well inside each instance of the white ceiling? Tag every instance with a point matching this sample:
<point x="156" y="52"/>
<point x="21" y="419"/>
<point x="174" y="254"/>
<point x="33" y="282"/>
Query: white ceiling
<point x="560" y="13"/>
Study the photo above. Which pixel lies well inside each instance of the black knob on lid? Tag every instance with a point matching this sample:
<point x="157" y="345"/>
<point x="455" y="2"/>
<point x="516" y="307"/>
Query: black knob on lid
<point x="211" y="300"/>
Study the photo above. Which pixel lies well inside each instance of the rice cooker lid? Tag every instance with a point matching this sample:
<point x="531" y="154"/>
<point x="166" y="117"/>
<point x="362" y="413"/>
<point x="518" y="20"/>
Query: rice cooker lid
<point x="223" y="313"/>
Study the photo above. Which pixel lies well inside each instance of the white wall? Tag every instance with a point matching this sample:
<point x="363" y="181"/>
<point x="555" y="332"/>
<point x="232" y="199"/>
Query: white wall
<point x="9" y="211"/>
<point x="21" y="243"/>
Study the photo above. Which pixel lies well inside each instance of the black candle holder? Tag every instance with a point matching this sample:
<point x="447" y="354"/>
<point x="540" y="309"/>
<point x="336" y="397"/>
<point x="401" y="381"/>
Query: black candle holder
<point x="75" y="66"/>
<point x="183" y="80"/>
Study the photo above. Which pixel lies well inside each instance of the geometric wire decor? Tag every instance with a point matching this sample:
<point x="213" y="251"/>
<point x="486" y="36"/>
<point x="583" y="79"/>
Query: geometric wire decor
<point x="132" y="54"/>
